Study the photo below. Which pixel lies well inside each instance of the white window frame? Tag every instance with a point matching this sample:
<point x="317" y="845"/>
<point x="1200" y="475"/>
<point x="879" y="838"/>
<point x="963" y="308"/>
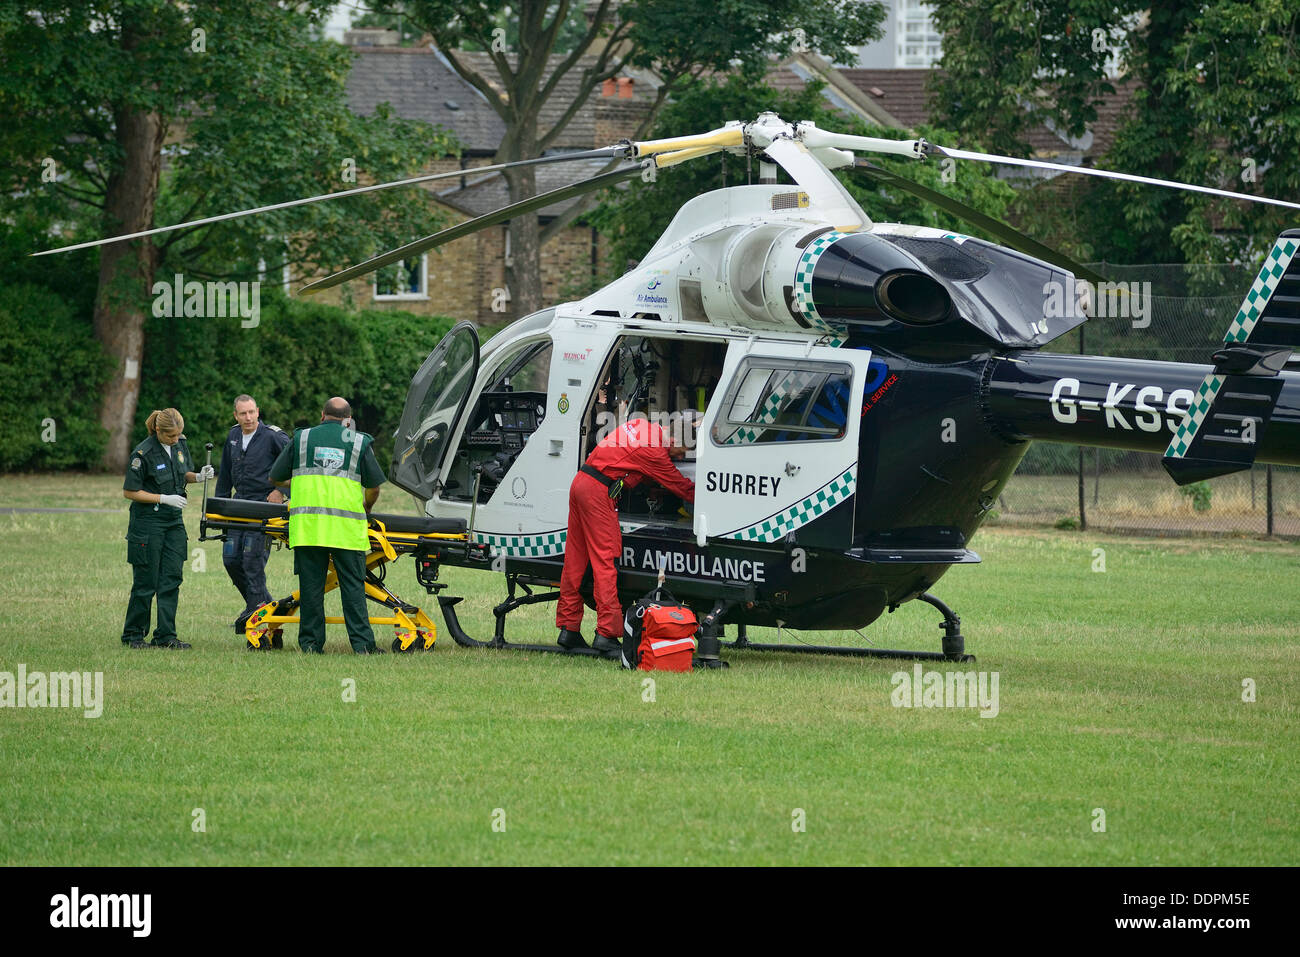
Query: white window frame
<point x="407" y="296"/>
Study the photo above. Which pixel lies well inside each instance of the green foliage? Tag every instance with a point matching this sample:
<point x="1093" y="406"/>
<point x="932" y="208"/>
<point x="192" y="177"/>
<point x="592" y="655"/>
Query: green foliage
<point x="1009" y="64"/>
<point x="52" y="369"/>
<point x="1200" y="493"/>
<point x="256" y="113"/>
<point x="298" y="355"/>
<point x="1217" y="103"/>
<point x="1067" y="524"/>
<point x="636" y="216"/>
<point x="671" y="36"/>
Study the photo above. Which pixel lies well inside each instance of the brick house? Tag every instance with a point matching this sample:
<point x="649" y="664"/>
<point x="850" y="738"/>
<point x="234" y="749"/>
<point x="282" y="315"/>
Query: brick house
<point x="466" y="278"/>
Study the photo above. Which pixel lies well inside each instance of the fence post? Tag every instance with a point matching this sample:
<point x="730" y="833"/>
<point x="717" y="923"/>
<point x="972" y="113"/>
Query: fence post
<point x="1083" y="516"/>
<point x="1268" y="495"/>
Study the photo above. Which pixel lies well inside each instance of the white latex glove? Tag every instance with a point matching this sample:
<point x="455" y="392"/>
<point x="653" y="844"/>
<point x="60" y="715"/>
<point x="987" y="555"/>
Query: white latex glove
<point x="207" y="472"/>
<point x="175" y="501"/>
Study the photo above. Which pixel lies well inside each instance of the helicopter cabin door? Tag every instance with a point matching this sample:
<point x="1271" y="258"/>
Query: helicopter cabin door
<point x="434" y="404"/>
<point x="777" y="452"/>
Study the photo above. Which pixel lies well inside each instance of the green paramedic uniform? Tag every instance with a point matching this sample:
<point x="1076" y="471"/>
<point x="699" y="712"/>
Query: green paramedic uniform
<point x="327" y="521"/>
<point x="156" y="543"/>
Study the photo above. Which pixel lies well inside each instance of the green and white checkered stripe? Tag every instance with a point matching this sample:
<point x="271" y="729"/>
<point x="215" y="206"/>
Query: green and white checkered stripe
<point x="525" y="546"/>
<point x="803" y="277"/>
<point x="1261" y="290"/>
<point x="1201" y="403"/>
<point x="793" y="383"/>
<point x="801" y="513"/>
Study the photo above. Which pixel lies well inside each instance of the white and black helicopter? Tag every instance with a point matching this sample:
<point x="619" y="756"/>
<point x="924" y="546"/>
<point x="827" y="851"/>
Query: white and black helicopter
<point x="865" y="391"/>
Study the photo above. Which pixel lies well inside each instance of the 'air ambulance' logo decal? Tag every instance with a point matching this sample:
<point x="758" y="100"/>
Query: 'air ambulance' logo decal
<point x="328" y="458"/>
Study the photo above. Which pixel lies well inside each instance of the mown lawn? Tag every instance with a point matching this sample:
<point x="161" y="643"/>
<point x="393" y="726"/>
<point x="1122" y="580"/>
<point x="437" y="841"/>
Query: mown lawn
<point x="1119" y="690"/>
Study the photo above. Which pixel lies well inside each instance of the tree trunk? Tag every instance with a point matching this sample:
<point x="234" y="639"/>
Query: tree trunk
<point x="126" y="273"/>
<point x="524" y="274"/>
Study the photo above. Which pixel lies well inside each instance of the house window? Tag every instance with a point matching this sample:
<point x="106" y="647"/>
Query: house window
<point x="773" y="400"/>
<point x="408" y="279"/>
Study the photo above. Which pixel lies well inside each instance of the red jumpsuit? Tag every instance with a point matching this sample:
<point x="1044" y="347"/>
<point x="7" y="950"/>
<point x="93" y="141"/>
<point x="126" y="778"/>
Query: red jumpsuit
<point x="634" y="451"/>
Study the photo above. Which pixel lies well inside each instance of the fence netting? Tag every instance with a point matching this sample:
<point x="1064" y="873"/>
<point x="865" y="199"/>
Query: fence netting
<point x="1186" y="315"/>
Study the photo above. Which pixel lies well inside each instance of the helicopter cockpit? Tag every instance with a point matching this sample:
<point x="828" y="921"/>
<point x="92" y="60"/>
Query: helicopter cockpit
<point x="509" y="409"/>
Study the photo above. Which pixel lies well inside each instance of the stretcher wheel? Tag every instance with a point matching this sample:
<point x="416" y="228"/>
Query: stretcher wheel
<point x="397" y="645"/>
<point x="424" y="640"/>
<point x="277" y="639"/>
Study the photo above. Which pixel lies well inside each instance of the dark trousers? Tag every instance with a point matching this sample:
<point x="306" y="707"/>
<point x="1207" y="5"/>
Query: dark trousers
<point x="157" y="558"/>
<point x="312" y="564"/>
<point x="244" y="555"/>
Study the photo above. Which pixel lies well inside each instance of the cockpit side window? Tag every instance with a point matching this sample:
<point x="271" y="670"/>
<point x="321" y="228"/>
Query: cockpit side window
<point x="779" y="401"/>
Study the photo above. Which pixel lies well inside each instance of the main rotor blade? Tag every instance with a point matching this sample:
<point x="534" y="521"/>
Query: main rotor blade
<point x="541" y="201"/>
<point x="933" y="150"/>
<point x="608" y="152"/>
<point x="994" y="227"/>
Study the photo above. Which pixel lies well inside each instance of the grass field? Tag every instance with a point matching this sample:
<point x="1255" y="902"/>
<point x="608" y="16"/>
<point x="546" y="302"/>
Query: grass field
<point x="1119" y="690"/>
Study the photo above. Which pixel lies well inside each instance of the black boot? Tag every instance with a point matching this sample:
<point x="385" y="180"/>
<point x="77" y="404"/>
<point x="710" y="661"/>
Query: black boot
<point x="608" y="647"/>
<point x="571" y="640"/>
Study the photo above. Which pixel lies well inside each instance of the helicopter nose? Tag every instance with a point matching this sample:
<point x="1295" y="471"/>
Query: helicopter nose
<point x="864" y="278"/>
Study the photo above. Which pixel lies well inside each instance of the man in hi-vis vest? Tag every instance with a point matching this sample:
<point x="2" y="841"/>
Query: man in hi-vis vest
<point x="335" y="484"/>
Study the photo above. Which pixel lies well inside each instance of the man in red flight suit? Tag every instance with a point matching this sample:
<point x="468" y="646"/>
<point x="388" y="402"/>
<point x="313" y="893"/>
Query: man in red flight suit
<point x="636" y="450"/>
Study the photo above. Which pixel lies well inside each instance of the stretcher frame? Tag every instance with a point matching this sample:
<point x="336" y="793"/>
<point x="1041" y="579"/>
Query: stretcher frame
<point x="414" y="630"/>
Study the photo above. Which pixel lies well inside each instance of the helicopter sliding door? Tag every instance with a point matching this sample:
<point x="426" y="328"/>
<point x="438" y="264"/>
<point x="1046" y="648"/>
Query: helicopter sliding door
<point x="778" y="447"/>
<point x="433" y="405"/>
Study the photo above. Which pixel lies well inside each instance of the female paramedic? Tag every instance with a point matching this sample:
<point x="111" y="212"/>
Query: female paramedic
<point x="156" y="546"/>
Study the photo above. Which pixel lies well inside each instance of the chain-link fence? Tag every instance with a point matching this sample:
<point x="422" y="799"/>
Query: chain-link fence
<point x="1181" y="316"/>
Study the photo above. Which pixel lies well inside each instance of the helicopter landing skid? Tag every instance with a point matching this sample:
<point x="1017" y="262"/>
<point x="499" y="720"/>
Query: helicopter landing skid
<point x="954" y="645"/>
<point x="459" y="636"/>
<point x="711" y="641"/>
<point x="513" y="601"/>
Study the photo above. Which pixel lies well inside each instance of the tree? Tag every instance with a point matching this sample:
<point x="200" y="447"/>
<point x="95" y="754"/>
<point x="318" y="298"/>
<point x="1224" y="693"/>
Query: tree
<point x="635" y="217"/>
<point x="1217" y="104"/>
<point x="117" y="114"/>
<point x="675" y="39"/>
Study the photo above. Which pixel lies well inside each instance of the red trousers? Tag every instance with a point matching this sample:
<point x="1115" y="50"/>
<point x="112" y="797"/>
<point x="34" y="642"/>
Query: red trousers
<point x="594" y="539"/>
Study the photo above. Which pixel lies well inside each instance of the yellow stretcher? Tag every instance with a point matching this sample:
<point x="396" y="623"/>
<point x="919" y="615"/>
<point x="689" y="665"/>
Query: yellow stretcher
<point x="391" y="536"/>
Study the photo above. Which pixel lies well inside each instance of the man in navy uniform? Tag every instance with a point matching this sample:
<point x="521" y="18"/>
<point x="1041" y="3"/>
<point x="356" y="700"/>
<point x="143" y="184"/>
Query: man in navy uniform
<point x="246" y="459"/>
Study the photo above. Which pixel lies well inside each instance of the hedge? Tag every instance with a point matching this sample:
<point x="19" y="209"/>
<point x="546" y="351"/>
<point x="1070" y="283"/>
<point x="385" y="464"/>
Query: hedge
<point x="52" y="371"/>
<point x="298" y="355"/>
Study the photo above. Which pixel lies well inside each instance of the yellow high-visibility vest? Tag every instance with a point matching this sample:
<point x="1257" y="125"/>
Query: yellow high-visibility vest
<point x="328" y="504"/>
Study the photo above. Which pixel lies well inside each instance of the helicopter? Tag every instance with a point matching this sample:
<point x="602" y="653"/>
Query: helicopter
<point x="854" y="395"/>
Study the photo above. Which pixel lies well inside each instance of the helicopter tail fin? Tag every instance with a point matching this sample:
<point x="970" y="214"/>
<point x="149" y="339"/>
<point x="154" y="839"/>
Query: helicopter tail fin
<point x="1233" y="405"/>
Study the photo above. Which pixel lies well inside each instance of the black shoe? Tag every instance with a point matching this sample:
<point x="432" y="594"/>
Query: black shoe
<point x="313" y="651"/>
<point x="608" y="647"/>
<point x="172" y="643"/>
<point x="570" y="640"/>
<point x="136" y="643"/>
